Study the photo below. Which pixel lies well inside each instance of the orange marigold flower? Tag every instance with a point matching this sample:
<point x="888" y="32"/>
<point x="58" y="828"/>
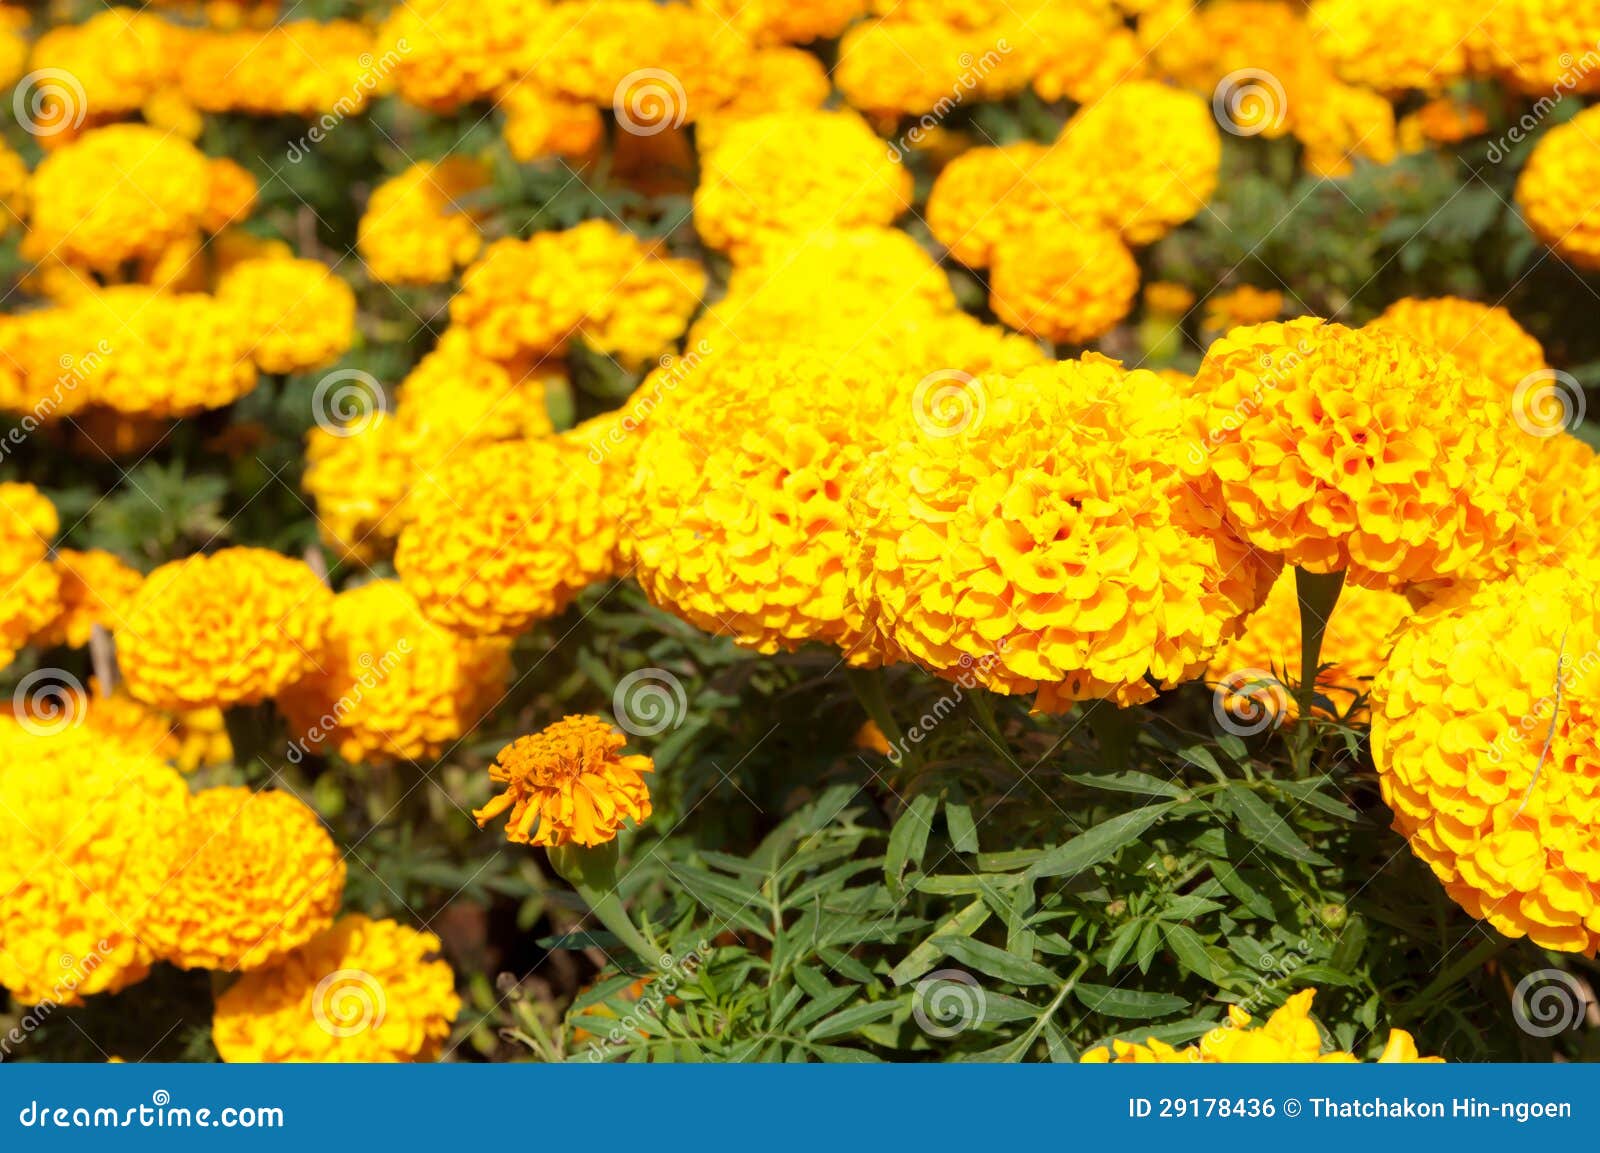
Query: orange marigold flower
<point x="1063" y="284"/>
<point x="117" y="60"/>
<point x="231" y="195"/>
<point x="96" y="589"/>
<point x="257" y="875"/>
<point x="303" y="68"/>
<point x="782" y="22"/>
<point x="568" y="784"/>
<point x="985" y="553"/>
<point x="297" y="314"/>
<point x="969" y="207"/>
<point x="1288" y="1036"/>
<point x="1484" y="338"/>
<point x="1243" y="305"/>
<point x="1393" y="45"/>
<point x="362" y="991"/>
<point x="904" y="67"/>
<point x="1552" y="190"/>
<point x="414" y="230"/>
<point x="391" y="684"/>
<point x="457" y="54"/>
<point x="1356" y="449"/>
<point x="232" y="627"/>
<point x="540" y="123"/>
<point x="1484" y="731"/>
<point x="28" y="523"/>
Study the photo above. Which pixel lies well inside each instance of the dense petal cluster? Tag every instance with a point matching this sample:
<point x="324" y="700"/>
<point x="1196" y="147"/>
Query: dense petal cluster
<point x="296" y="314"/>
<point x="457" y="54"/>
<point x="1356" y="449"/>
<point x="1552" y="191"/>
<point x="120" y="58"/>
<point x="390" y="684"/>
<point x="1288" y="1036"/>
<point x="32" y="588"/>
<point x="89" y="835"/>
<point x="414" y="230"/>
<point x="568" y="784"/>
<point x="1066" y="285"/>
<point x="1096" y="573"/>
<point x="256" y="876"/>
<point x="304" y="68"/>
<point x="220" y="629"/>
<point x="1391" y="45"/>
<point x="507" y="536"/>
<point x="364" y="990"/>
<point x="780" y="22"/>
<point x="1483" y="337"/>
<point x="1484" y="731"/>
<point x="97" y="588"/>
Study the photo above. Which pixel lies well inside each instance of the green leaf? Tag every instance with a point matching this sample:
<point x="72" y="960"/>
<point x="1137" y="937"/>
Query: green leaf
<point x="1149" y="943"/>
<point x="1191" y="952"/>
<point x="1241" y="890"/>
<point x="996" y="962"/>
<point x="1098" y="844"/>
<point x="908" y="840"/>
<point x="1260" y="823"/>
<point x="1122" y="942"/>
<point x="1136" y="1003"/>
<point x="963" y="830"/>
<point x="962" y="924"/>
<point x="1142" y="784"/>
<point x="851" y="1019"/>
<point x="1320" y="974"/>
<point x="1309" y="793"/>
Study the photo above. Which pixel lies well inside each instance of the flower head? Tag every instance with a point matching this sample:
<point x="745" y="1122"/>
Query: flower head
<point x="96" y="588"/>
<point x="232" y="627"/>
<point x="1063" y="284"/>
<point x="298" y="315"/>
<point x="569" y="784"/>
<point x="363" y="991"/>
<point x="1484" y="733"/>
<point x="1551" y="190"/>
<point x="256" y="876"/>
<point x="415" y="230"/>
<point x="32" y="587"/>
<point x="1483" y="338"/>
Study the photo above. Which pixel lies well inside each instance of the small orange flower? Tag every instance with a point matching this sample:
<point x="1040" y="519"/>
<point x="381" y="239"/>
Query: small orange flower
<point x="568" y="784"/>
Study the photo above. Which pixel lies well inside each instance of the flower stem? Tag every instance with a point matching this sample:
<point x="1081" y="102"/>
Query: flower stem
<point x="867" y="684"/>
<point x="593" y="872"/>
<point x="1318" y="593"/>
<point x="1116" y="729"/>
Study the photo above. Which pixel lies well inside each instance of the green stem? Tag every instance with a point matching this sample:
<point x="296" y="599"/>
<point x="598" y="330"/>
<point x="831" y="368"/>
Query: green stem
<point x="1318" y="593"/>
<point x="867" y="684"/>
<point x="982" y="709"/>
<point x="1115" y="729"/>
<point x="1487" y="949"/>
<point x="1025" y="1043"/>
<point x="593" y="872"/>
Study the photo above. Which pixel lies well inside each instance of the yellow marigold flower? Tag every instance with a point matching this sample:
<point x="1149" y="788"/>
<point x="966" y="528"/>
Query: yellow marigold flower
<point x="968" y="206"/>
<point x="118" y="59"/>
<point x="256" y="876"/>
<point x="1391" y="45"/>
<point x="507" y="536"/>
<point x="1541" y="47"/>
<point x="993" y="557"/>
<point x="1168" y="298"/>
<point x="1243" y="305"/>
<point x="457" y="54"/>
<point x="13" y="45"/>
<point x="359" y="482"/>
<point x="187" y="740"/>
<point x="752" y="194"/>
<point x="1356" y="449"/>
<point x="143" y="371"/>
<point x="44" y="363"/>
<point x="1289" y="1036"/>
<point x="1440" y="121"/>
<point x="297" y="314"/>
<point x="460" y="398"/>
<point x="1342" y="123"/>
<point x="1478" y="684"/>
<point x="28" y="522"/>
<point x="126" y="192"/>
<point x="168" y="108"/>
<point x="363" y="991"/>
<point x="779" y="80"/>
<point x="414" y="230"/>
<point x="781" y="22"/>
<point x="899" y="67"/>
<point x="1078" y="51"/>
<point x="527" y="298"/>
<point x="232" y="195"/>
<point x="569" y="784"/>
<point x="90" y="834"/>
<point x="1552" y="191"/>
<point x="1258" y="674"/>
<point x="1484" y="338"/>
<point x="1063" y="284"/>
<point x="540" y="123"/>
<point x="737" y="518"/>
<point x="96" y="588"/>
<point x="304" y="68"/>
<point x="233" y="627"/>
<point x="390" y="684"/>
<point x="653" y="64"/>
